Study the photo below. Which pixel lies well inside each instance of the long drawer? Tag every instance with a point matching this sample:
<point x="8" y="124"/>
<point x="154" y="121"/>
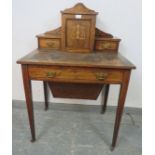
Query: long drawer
<point x="74" y="74"/>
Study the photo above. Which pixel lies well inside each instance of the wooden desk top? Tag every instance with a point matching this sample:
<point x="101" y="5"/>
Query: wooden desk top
<point x="93" y="59"/>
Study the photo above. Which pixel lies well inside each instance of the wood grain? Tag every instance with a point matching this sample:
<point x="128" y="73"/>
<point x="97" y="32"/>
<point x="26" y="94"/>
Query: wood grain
<point x="120" y="107"/>
<point x="29" y="103"/>
<point x="93" y="59"/>
<point x="77" y="74"/>
<point x="78" y="33"/>
<point x="45" y="86"/>
<point x="67" y="62"/>
<point x="105" y="98"/>
<point x="48" y="43"/>
<point x="103" y="45"/>
<point x="75" y="90"/>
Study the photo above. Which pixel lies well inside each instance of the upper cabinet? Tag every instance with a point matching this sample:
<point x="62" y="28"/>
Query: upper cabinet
<point x="78" y="29"/>
<point x="78" y="33"/>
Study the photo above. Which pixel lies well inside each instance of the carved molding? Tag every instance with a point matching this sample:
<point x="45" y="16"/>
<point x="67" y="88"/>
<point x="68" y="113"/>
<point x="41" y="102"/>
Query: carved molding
<point x="79" y="8"/>
<point x="102" y="34"/>
<point x="98" y="33"/>
<point x="55" y="32"/>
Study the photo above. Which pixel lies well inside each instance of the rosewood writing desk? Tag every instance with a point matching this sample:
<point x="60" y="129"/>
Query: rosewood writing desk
<point x="78" y="72"/>
<point x="91" y="68"/>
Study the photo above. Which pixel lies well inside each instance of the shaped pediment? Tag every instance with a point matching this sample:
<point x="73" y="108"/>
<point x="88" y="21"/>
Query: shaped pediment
<point x="56" y="33"/>
<point x="79" y="8"/>
<point x="102" y="34"/>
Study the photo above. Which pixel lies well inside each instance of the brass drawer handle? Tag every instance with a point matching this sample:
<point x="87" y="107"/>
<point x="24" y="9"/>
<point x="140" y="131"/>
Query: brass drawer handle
<point x="51" y="74"/>
<point x="50" y="44"/>
<point x="101" y="76"/>
<point x="106" y="45"/>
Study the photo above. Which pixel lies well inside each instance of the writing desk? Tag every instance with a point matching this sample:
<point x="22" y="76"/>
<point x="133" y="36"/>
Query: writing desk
<point x="101" y="68"/>
<point x="76" y="60"/>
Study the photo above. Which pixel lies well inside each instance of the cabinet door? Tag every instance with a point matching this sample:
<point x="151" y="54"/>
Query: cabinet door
<point x="78" y="29"/>
<point x="78" y="34"/>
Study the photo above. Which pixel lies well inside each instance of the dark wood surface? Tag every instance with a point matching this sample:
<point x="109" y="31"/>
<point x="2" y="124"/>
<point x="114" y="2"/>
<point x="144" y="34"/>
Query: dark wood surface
<point x="78" y="29"/>
<point x="79" y="8"/>
<point x="120" y="106"/>
<point x="78" y="33"/>
<point x="103" y="41"/>
<point x="67" y="73"/>
<point x="28" y="69"/>
<point x="93" y="59"/>
<point x="75" y="90"/>
<point x="29" y="102"/>
<point x="45" y="85"/>
<point x="75" y="74"/>
<point x="105" y="94"/>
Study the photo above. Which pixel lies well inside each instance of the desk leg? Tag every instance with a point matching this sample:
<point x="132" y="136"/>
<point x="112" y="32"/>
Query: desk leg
<point x="104" y="104"/>
<point x="45" y="94"/>
<point x="29" y="103"/>
<point x="120" y="107"/>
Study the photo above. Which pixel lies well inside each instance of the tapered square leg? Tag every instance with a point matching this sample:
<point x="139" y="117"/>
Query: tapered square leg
<point x="120" y="107"/>
<point x="29" y="103"/>
<point x="45" y="85"/>
<point x="105" y="98"/>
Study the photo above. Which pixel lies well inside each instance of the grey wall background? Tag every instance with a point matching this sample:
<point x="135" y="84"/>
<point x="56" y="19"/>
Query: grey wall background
<point x="122" y="18"/>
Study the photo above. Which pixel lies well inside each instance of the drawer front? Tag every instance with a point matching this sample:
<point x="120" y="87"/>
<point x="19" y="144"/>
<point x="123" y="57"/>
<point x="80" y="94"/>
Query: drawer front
<point x="106" y="45"/>
<point x="75" y="74"/>
<point x="48" y="43"/>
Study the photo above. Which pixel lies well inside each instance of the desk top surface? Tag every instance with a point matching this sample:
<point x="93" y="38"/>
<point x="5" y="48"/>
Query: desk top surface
<point x="93" y="59"/>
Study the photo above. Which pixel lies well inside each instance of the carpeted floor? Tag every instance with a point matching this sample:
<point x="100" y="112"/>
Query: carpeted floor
<point x="75" y="130"/>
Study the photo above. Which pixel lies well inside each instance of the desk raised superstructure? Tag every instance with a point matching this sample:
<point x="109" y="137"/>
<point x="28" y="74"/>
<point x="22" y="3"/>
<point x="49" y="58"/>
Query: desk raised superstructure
<point x="76" y="64"/>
